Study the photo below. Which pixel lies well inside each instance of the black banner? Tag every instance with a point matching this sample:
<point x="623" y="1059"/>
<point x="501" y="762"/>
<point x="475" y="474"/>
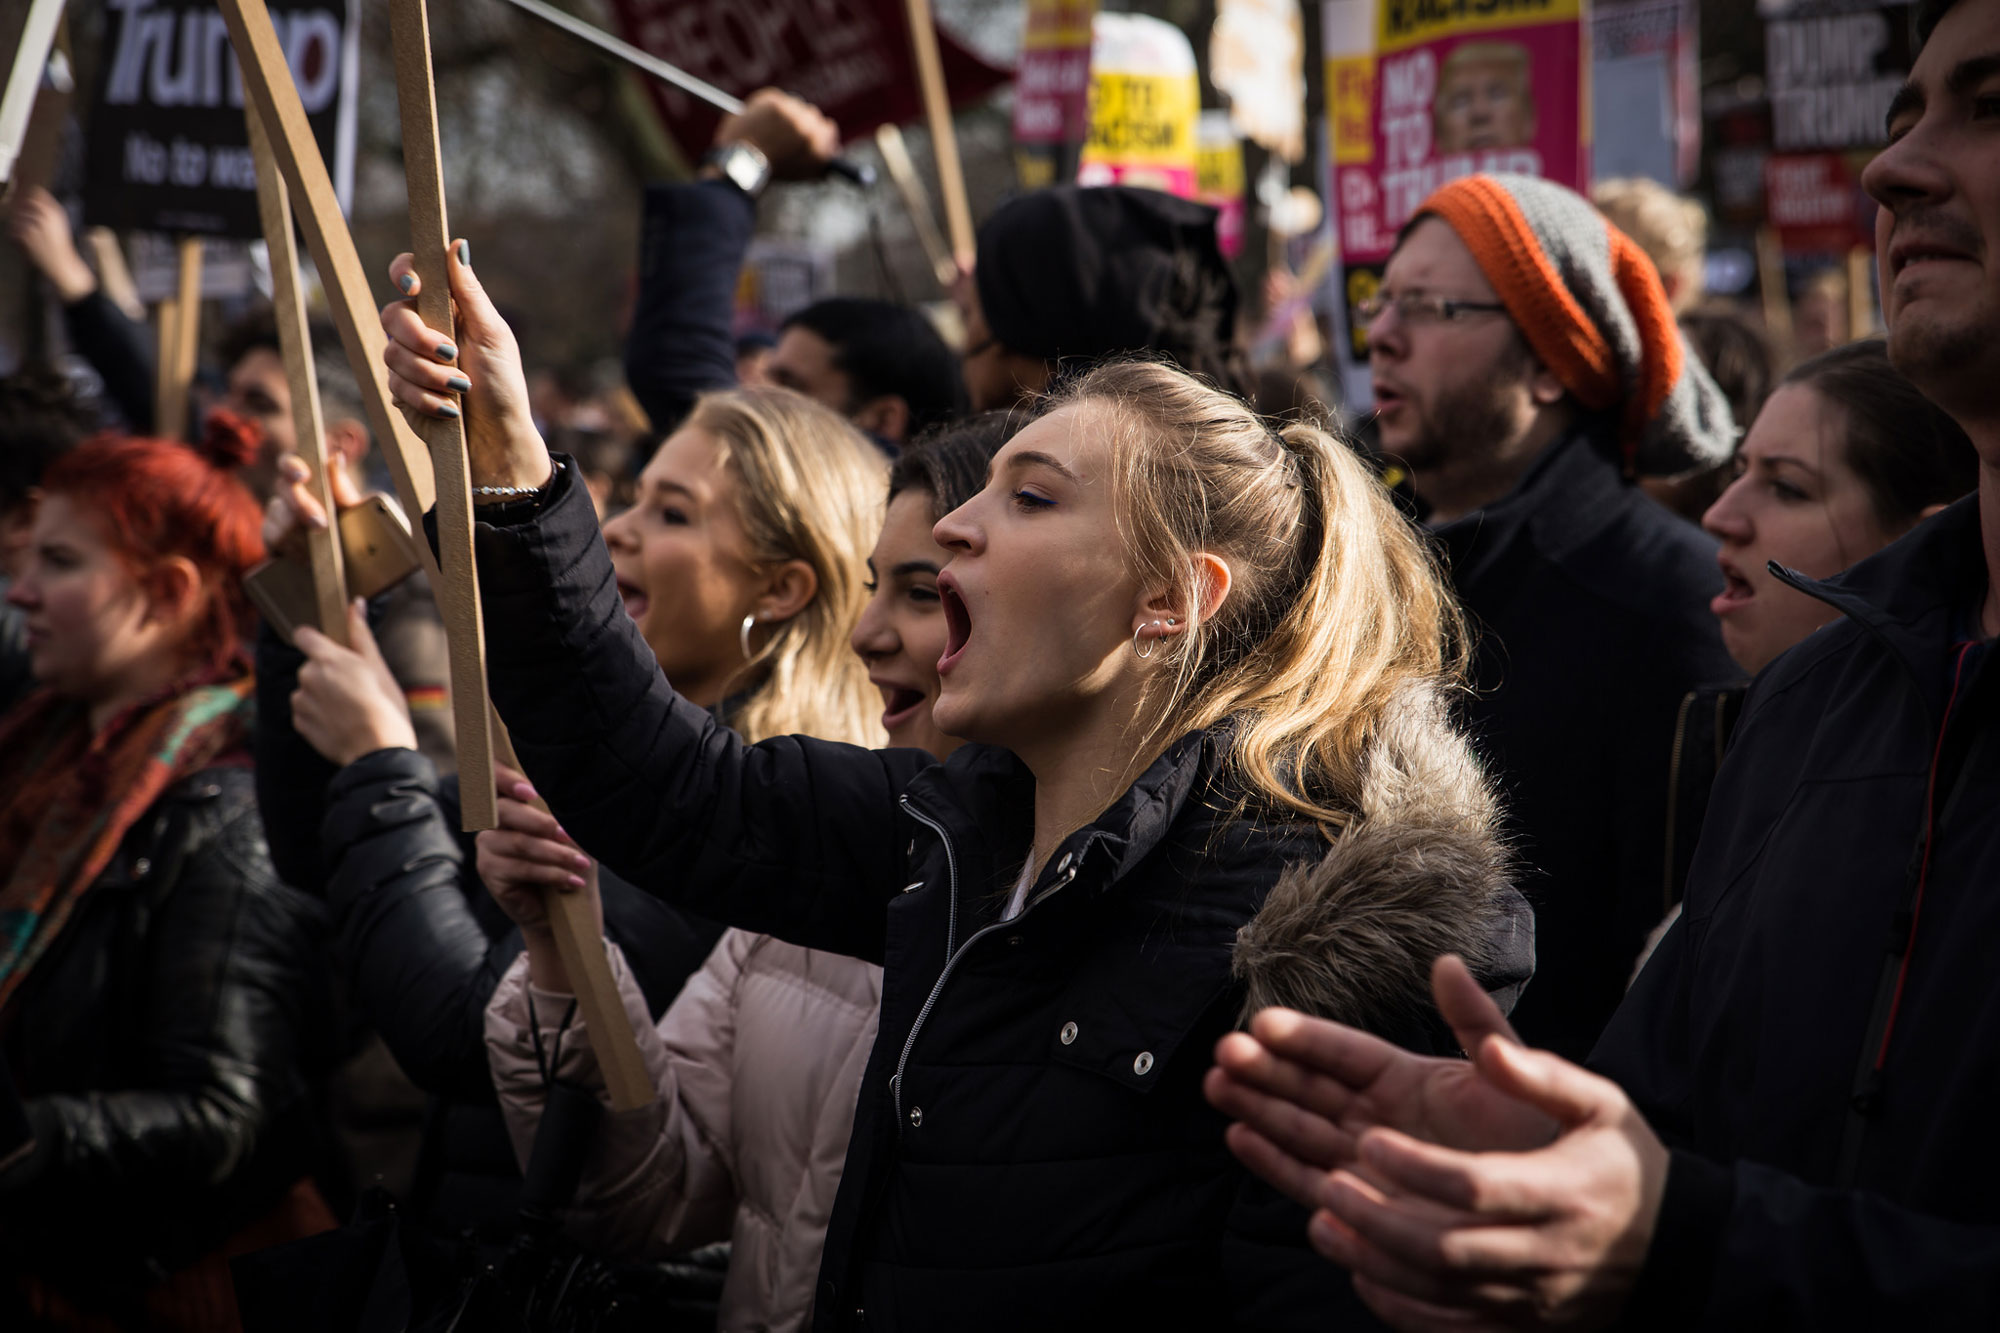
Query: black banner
<point x="168" y="150"/>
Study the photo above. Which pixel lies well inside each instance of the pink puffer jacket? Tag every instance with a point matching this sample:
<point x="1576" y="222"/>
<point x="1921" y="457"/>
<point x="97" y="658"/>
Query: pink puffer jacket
<point x="758" y="1063"/>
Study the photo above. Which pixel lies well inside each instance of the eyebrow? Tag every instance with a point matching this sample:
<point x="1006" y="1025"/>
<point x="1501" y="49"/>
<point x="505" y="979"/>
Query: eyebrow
<point x="1965" y="75"/>
<point x="908" y="567"/>
<point x="1031" y="457"/>
<point x="675" y="486"/>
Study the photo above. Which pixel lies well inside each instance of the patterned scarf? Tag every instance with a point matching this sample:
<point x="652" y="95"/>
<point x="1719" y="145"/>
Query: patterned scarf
<point x="67" y="797"/>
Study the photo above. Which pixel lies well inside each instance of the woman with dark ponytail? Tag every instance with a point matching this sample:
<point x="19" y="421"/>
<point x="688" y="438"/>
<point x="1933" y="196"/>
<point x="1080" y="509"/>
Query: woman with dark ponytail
<point x="158" y="991"/>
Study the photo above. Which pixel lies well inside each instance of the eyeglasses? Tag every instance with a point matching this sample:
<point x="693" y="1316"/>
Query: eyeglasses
<point x="1422" y="308"/>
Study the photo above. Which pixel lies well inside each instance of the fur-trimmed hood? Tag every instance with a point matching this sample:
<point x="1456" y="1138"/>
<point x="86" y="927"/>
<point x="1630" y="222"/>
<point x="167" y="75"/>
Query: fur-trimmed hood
<point x="1421" y="871"/>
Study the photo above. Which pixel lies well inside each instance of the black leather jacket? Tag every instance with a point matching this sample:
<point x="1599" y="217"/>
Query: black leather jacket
<point x="165" y="1047"/>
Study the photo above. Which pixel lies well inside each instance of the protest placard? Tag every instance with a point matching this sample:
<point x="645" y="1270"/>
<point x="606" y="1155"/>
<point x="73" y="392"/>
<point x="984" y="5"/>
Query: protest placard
<point x="851" y="58"/>
<point x="1454" y="89"/>
<point x="1830" y="70"/>
<point x="1051" y="91"/>
<point x="1145" y="102"/>
<point x="168" y="149"/>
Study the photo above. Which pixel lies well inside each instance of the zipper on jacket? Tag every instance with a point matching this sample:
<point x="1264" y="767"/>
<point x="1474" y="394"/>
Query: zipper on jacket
<point x="930" y="1001"/>
<point x="1673" y="802"/>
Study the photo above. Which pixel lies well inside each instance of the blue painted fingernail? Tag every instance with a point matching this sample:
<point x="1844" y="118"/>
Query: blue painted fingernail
<point x="446" y="352"/>
<point x="408" y="282"/>
<point x="448" y="410"/>
<point x="458" y="382"/>
<point x="465" y="254"/>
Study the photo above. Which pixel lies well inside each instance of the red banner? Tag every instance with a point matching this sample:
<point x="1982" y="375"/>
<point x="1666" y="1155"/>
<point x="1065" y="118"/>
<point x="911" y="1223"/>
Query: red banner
<point x="850" y="58"/>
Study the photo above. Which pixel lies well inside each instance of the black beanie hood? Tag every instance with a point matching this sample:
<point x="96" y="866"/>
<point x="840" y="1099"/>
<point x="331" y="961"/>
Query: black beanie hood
<point x="1089" y="272"/>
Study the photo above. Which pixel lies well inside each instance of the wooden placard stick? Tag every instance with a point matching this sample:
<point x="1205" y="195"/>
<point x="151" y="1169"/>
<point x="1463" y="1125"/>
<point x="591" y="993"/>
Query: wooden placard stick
<point x="177" y="329"/>
<point x="288" y="304"/>
<point x="581" y="947"/>
<point x="458" y="590"/>
<point x="944" y="137"/>
<point x="166" y="324"/>
<point x="268" y="86"/>
<point x="896" y="157"/>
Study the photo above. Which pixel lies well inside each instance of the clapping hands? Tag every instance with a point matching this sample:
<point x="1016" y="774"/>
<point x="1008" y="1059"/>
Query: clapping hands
<point x="1511" y="1190"/>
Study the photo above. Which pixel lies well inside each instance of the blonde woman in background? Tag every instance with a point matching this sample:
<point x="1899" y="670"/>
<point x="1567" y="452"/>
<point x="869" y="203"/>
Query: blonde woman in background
<point x="1671" y="228"/>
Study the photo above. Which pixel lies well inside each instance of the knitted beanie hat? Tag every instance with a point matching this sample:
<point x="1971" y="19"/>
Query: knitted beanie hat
<point x="1590" y="303"/>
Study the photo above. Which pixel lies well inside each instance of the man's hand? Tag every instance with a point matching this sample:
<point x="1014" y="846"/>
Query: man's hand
<point x="792" y="134"/>
<point x="347" y="704"/>
<point x="1442" y="1239"/>
<point x="39" y="226"/>
<point x="1303" y="1090"/>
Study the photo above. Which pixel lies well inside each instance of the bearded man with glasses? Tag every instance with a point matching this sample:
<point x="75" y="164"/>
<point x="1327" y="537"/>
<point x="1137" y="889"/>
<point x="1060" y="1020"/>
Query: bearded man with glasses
<point x="1527" y="370"/>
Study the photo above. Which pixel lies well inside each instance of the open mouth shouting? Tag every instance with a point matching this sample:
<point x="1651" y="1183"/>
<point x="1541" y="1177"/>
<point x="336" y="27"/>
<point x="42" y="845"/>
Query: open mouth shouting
<point x="1736" y="590"/>
<point x="958" y="623"/>
<point x="900" y="703"/>
<point x="634" y="597"/>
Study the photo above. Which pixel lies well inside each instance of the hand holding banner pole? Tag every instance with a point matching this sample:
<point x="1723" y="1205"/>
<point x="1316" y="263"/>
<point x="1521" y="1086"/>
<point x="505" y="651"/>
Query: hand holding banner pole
<point x="458" y="593"/>
<point x="295" y="347"/>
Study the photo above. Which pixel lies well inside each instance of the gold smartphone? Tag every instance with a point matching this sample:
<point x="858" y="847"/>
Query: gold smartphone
<point x="377" y="552"/>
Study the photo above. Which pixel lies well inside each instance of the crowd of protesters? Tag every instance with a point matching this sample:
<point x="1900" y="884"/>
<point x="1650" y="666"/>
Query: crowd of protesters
<point x="1074" y="850"/>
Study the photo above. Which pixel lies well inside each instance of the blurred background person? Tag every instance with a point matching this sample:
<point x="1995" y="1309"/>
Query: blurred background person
<point x="1671" y="228"/>
<point x="161" y="999"/>
<point x="118" y="347"/>
<point x="41" y="419"/>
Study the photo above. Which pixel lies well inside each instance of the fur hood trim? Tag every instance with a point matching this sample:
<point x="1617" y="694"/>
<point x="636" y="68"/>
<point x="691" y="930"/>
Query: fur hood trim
<point x="1420" y="872"/>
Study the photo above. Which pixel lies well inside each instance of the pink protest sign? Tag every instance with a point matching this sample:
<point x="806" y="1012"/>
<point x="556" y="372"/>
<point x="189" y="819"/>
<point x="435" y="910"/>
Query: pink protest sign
<point x="1458" y="96"/>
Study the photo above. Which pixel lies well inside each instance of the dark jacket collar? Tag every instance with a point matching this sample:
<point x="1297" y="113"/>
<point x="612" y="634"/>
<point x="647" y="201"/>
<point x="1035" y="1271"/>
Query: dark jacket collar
<point x="1566" y="496"/>
<point x="1910" y="594"/>
<point x="984" y="797"/>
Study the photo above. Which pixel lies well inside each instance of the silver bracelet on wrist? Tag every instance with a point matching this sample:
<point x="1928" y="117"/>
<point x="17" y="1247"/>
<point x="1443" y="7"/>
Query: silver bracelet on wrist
<point x="518" y="492"/>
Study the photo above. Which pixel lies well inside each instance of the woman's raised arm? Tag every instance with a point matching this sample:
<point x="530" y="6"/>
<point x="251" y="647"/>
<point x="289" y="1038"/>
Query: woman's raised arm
<point x="791" y="837"/>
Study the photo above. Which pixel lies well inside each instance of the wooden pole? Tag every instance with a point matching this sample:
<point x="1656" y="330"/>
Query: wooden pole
<point x="458" y="595"/>
<point x="1860" y="292"/>
<point x="581" y="947"/>
<point x="166" y="323"/>
<point x="896" y="157"/>
<point x="177" y="330"/>
<point x="274" y="210"/>
<point x="1771" y="283"/>
<point x="268" y="86"/>
<point x="944" y="137"/>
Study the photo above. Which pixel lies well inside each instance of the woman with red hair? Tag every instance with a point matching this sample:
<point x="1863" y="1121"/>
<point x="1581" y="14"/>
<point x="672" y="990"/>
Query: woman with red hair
<point x="159" y="988"/>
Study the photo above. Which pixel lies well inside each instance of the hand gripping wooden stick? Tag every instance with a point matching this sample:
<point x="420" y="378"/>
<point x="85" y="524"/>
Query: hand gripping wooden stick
<point x="581" y="948"/>
<point x="458" y="592"/>
<point x="274" y="209"/>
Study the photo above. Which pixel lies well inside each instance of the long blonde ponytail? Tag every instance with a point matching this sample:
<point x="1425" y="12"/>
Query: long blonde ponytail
<point x="1336" y="603"/>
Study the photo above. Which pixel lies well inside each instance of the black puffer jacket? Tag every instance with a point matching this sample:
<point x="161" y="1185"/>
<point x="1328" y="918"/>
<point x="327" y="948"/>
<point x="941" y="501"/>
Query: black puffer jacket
<point x="420" y="944"/>
<point x="1817" y="1037"/>
<point x="1031" y="1148"/>
<point x="166" y="1047"/>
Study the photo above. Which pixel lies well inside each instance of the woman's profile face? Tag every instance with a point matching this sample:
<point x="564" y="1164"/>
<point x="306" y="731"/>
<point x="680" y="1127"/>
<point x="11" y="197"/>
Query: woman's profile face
<point x="1039" y="605"/>
<point x="91" y="629"/>
<point x="684" y="564"/>
<point x="902" y="633"/>
<point x="1795" y="501"/>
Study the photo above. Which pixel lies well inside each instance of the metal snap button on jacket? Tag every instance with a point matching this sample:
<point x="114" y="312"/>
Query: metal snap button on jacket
<point x="1068" y="1033"/>
<point x="1143" y="1063"/>
<point x="916" y="1116"/>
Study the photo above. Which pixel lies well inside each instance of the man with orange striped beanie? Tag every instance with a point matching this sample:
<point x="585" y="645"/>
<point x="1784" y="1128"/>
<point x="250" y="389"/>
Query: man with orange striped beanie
<point x="1527" y="367"/>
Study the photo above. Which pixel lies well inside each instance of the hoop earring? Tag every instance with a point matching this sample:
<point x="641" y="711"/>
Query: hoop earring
<point x="743" y="637"/>
<point x="1147" y="651"/>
